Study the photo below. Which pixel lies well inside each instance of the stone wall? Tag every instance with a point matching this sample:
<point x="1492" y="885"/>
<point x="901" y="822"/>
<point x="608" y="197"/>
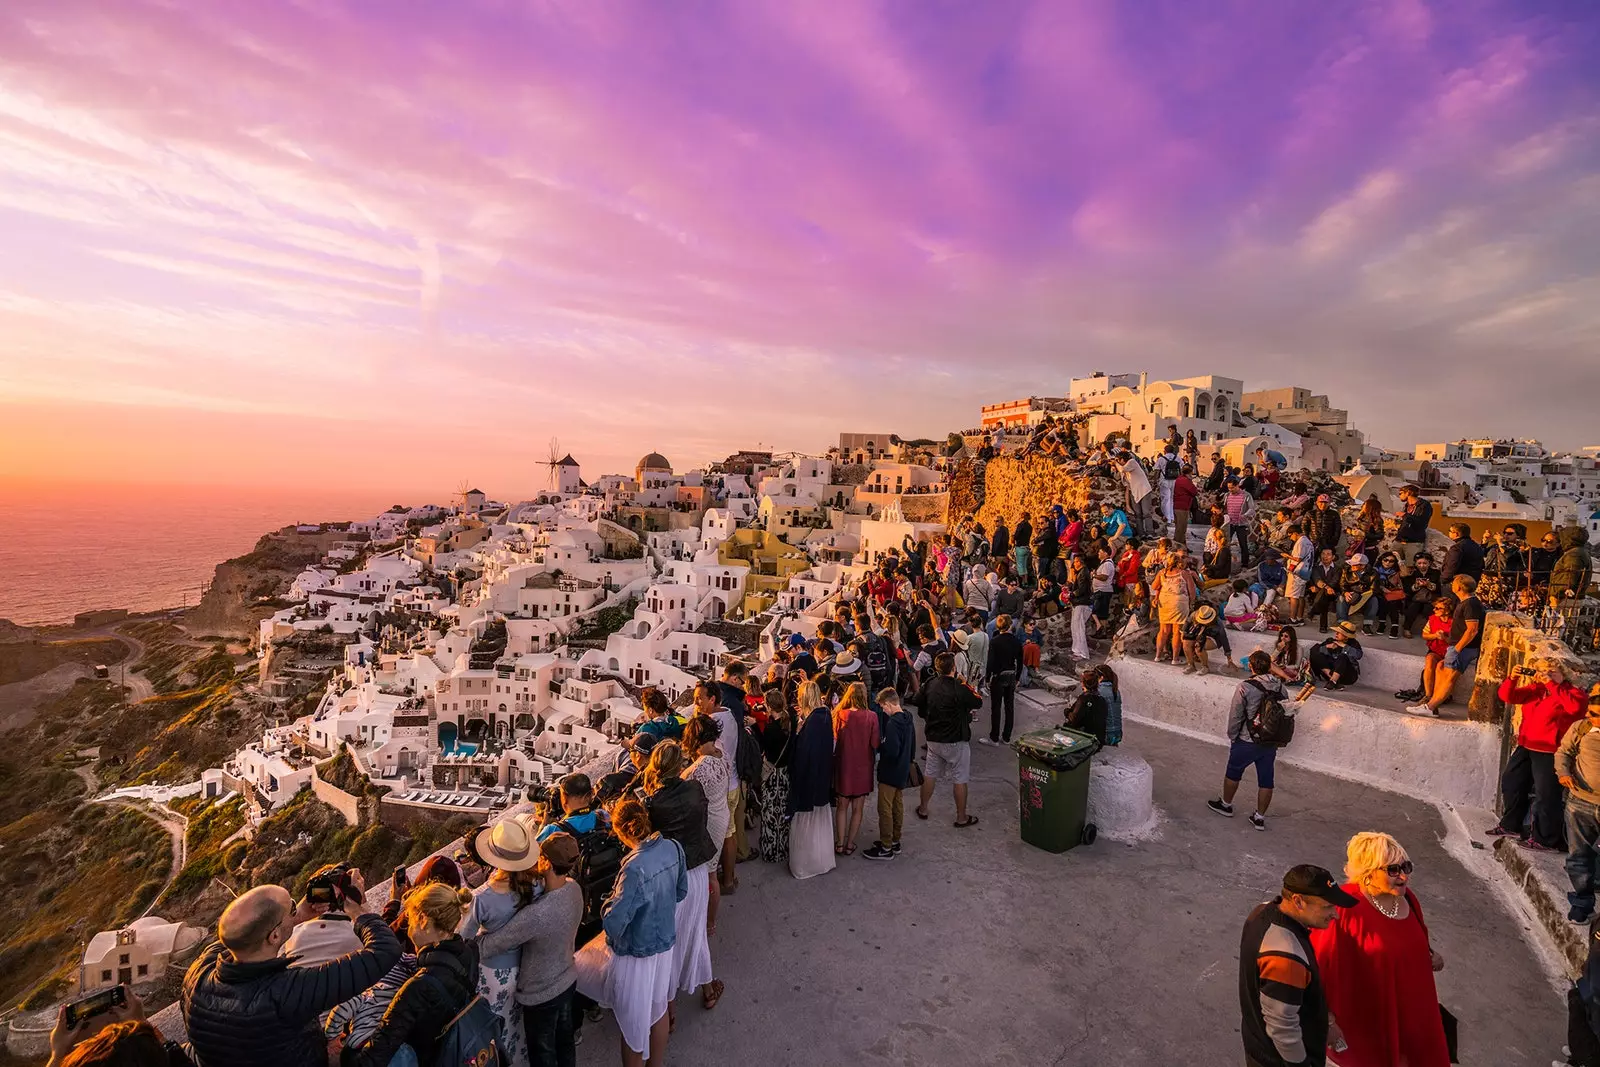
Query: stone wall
<point x="924" y="507"/>
<point x="346" y="804"/>
<point x="1015" y="486"/>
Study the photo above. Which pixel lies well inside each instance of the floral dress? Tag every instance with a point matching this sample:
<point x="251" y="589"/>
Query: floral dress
<point x="492" y="907"/>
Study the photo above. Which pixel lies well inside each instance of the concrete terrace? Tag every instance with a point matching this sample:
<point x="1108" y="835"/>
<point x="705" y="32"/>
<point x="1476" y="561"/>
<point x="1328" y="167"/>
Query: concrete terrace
<point x="974" y="948"/>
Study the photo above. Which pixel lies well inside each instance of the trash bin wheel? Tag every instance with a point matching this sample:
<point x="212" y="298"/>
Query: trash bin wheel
<point x="1089" y="833"/>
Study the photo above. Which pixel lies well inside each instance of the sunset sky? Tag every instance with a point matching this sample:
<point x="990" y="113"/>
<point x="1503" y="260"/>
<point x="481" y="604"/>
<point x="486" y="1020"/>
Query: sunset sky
<point x="270" y="242"/>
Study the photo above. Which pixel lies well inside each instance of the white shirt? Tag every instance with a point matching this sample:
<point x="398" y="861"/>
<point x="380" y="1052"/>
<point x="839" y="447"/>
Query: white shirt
<point x="1103" y="576"/>
<point x="728" y="741"/>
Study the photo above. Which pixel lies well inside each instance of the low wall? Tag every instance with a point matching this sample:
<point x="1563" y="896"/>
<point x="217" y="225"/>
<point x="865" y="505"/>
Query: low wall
<point x="1434" y="759"/>
<point x="346" y="804"/>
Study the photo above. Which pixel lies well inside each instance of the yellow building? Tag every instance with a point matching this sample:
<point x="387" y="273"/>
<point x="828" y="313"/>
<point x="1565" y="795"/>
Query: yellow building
<point x="772" y="563"/>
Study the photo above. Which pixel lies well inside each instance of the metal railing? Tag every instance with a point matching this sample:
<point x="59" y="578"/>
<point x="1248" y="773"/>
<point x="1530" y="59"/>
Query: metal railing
<point x="1576" y="623"/>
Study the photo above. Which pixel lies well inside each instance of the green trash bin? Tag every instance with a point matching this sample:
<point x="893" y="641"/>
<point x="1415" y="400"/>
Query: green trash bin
<point x="1053" y="773"/>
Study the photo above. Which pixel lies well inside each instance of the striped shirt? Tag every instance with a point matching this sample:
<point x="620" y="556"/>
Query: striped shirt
<point x="1285" y="1015"/>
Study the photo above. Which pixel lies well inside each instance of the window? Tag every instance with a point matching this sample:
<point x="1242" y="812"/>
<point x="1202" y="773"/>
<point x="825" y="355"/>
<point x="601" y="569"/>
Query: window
<point x="143" y="970"/>
<point x="105" y="976"/>
<point x="122" y="960"/>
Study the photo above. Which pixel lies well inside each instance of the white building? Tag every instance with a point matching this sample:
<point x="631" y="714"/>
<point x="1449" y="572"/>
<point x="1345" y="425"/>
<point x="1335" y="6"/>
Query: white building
<point x="136" y="954"/>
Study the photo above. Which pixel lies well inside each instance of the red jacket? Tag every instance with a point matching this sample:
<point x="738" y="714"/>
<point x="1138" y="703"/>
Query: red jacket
<point x="1129" y="569"/>
<point x="1183" y="493"/>
<point x="1547" y="712"/>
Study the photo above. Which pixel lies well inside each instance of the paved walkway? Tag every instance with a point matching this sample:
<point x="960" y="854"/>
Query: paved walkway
<point x="973" y="948"/>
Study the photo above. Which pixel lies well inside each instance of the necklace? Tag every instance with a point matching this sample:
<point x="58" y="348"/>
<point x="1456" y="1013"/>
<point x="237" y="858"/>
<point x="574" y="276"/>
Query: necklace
<point x="1390" y="911"/>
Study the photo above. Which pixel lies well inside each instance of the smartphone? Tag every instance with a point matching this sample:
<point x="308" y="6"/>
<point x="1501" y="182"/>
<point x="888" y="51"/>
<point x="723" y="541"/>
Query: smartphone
<point x="96" y="1004"/>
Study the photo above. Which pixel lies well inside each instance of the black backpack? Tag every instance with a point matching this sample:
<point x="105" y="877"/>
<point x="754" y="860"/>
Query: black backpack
<point x="877" y="660"/>
<point x="1271" y="725"/>
<point x="747" y="757"/>
<point x="600" y="856"/>
<point x="473" y="1037"/>
<point x="1172" y="470"/>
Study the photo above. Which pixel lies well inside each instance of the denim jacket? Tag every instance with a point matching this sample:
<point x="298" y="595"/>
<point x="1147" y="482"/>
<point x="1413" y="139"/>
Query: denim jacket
<point x="641" y="912"/>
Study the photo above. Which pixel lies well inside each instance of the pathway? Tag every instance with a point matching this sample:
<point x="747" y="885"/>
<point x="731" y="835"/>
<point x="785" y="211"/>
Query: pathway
<point x="973" y="947"/>
<point x="177" y="828"/>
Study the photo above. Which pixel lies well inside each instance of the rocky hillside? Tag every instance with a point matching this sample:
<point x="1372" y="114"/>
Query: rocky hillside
<point x="1013" y="486"/>
<point x="244" y="590"/>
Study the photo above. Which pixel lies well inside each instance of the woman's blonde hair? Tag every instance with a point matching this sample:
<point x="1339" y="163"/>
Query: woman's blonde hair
<point x="855" y="697"/>
<point x="666" y="764"/>
<point x="441" y="905"/>
<point x="1368" y="851"/>
<point x="809" y="697"/>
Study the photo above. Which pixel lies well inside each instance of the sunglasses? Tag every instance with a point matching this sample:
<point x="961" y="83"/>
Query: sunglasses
<point x="1395" y="870"/>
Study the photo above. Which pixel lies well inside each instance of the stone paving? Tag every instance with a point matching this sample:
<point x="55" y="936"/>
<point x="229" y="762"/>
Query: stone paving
<point x="974" y="948"/>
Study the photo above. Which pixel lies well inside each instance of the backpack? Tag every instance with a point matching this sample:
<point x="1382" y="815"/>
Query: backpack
<point x="1172" y="470"/>
<point x="877" y="660"/>
<point x="473" y="1037"/>
<point x="747" y="759"/>
<point x="1272" y="725"/>
<point x="600" y="856"/>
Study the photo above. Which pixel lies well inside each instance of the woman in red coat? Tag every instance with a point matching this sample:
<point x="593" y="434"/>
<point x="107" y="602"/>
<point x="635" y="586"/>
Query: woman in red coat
<point x="855" y="747"/>
<point x="1550" y="705"/>
<point x="1377" y="965"/>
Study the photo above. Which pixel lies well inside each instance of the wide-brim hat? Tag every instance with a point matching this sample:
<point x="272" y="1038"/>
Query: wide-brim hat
<point x="1205" y="613"/>
<point x="508" y="845"/>
<point x="1347" y="628"/>
<point x="959" y="639"/>
<point x="846" y="663"/>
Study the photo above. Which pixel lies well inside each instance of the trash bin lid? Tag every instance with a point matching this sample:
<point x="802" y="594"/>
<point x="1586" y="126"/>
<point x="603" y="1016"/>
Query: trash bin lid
<point x="1059" y="748"/>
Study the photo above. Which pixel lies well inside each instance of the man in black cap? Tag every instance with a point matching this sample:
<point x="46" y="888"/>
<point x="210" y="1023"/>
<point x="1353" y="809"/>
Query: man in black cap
<point x="1285" y="1020"/>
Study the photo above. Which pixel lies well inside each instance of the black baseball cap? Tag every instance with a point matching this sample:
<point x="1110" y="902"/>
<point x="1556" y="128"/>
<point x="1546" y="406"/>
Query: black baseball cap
<point x="1309" y="880"/>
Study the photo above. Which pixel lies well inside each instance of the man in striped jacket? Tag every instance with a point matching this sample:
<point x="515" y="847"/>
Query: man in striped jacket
<point x="1285" y="1014"/>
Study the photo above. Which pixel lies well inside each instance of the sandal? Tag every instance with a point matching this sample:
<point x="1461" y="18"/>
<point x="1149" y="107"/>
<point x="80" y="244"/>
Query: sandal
<point x="838" y="850"/>
<point x="970" y="820"/>
<point x="712" y="993"/>
<point x="920" y="813"/>
<point x="849" y="850"/>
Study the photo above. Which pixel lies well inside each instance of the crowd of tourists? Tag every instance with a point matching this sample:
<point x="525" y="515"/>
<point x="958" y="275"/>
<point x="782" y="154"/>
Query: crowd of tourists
<point x="606" y="896"/>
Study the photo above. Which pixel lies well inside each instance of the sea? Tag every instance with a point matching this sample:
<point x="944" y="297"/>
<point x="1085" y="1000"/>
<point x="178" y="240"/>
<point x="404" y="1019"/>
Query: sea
<point x="71" y="548"/>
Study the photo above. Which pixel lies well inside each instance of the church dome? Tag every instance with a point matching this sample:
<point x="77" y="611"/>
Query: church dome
<point x="655" y="461"/>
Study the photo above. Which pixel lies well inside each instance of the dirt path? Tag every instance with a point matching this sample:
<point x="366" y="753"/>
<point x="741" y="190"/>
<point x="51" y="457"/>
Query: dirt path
<point x="177" y="828"/>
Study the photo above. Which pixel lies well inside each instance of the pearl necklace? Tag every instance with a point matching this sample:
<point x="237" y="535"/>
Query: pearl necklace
<point x="1394" y="914"/>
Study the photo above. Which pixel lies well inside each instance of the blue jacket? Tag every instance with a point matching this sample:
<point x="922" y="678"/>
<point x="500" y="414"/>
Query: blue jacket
<point x="1116" y="524"/>
<point x="733" y="699"/>
<point x="897" y="742"/>
<point x="641" y="913"/>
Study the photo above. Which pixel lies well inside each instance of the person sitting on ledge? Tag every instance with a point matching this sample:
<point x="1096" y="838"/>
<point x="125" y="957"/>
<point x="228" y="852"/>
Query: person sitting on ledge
<point x="1336" y="661"/>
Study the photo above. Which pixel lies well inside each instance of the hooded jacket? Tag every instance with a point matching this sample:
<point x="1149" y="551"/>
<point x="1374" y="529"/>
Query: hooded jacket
<point x="445" y="982"/>
<point x="1574" y="570"/>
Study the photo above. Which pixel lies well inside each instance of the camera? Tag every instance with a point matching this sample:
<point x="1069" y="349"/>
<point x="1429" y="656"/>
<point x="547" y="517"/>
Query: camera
<point x="330" y="887"/>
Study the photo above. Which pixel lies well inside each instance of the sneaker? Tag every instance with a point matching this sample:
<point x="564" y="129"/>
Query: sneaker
<point x="987" y="741"/>
<point x="895" y="848"/>
<point x="1579" y="915"/>
<point x="1419" y="709"/>
<point x="1409" y="694"/>
<point x="1501" y="831"/>
<point x="1220" y="808"/>
<point x="878" y="852"/>
<point x="1258" y="820"/>
<point x="1189" y="669"/>
<point x="594" y="1014"/>
<point x="1534" y="846"/>
<point x="1394" y="633"/>
<point x="1366" y="629"/>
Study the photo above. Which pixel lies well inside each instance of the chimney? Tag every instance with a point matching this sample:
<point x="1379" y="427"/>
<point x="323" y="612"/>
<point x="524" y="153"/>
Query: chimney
<point x="1144" y="379"/>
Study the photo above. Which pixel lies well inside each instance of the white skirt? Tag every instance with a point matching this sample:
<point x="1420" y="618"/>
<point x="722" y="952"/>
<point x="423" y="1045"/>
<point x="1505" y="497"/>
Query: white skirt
<point x="637" y="989"/>
<point x="691" y="952"/>
<point x="811" y="843"/>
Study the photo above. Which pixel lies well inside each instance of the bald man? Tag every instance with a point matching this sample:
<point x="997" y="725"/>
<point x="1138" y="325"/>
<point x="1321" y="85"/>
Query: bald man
<point x="246" y="1007"/>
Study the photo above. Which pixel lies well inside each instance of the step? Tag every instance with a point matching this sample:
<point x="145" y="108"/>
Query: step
<point x="1543" y="880"/>
<point x="1385" y="664"/>
<point x="1360" y="733"/>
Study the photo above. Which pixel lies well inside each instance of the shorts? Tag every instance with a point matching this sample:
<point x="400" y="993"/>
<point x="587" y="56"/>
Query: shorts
<point x="1465" y="660"/>
<point x="1242" y="754"/>
<point x="952" y="760"/>
<point x="733" y="808"/>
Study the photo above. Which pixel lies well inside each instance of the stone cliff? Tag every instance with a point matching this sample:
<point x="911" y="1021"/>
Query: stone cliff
<point x="243" y="590"/>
